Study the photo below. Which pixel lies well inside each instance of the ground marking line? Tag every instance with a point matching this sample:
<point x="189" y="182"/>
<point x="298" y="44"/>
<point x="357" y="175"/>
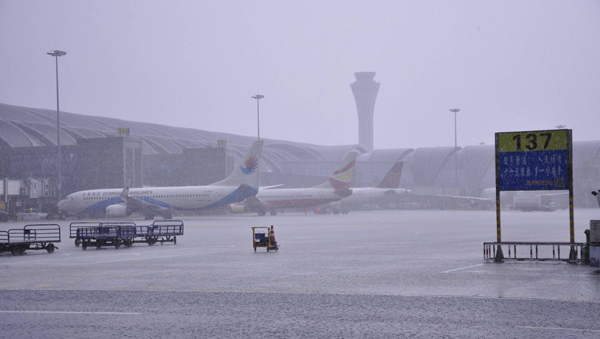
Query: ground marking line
<point x="462" y="268"/>
<point x="135" y="256"/>
<point x="73" y="312"/>
<point x="212" y="290"/>
<point x="551" y="274"/>
<point x="558" y="328"/>
<point x="139" y="258"/>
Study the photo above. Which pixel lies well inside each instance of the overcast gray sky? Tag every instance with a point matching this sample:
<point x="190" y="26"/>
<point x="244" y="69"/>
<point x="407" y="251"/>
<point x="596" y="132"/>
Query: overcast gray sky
<point x="508" y="65"/>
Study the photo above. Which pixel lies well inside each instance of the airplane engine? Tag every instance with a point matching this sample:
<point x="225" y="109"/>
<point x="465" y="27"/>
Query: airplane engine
<point x="118" y="210"/>
<point x="237" y="208"/>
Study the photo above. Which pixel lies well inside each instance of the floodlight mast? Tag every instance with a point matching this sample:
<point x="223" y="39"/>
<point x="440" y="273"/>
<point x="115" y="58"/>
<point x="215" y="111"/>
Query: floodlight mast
<point x="56" y="54"/>
<point x="455" y="110"/>
<point x="258" y="97"/>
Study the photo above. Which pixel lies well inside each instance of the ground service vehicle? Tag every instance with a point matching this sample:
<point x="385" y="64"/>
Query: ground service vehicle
<point x="534" y="203"/>
<point x="261" y="238"/>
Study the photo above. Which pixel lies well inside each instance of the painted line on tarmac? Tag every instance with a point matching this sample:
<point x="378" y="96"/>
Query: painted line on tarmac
<point x="462" y="268"/>
<point x="558" y="328"/>
<point x="540" y="274"/>
<point x="72" y="312"/>
<point x="138" y="258"/>
<point x="86" y="260"/>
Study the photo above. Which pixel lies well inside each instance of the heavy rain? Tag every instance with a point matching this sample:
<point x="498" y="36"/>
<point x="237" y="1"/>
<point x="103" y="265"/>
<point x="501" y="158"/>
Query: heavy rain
<point x="341" y="169"/>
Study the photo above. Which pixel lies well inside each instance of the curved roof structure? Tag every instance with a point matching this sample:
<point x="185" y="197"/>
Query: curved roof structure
<point x="26" y="127"/>
<point x="427" y="162"/>
<point x="476" y="162"/>
<point x="429" y="166"/>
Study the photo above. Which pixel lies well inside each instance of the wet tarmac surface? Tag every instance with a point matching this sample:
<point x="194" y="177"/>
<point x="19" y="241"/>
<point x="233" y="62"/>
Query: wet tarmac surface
<point x="366" y="274"/>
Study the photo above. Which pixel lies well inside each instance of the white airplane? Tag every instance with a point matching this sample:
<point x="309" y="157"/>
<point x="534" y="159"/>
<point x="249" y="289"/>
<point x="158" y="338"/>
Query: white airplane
<point x="241" y="184"/>
<point x="387" y="188"/>
<point x="334" y="189"/>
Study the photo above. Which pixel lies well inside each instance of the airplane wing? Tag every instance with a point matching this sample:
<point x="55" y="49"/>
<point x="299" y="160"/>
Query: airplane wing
<point x="344" y="192"/>
<point x="254" y="204"/>
<point x="269" y="187"/>
<point x="137" y="205"/>
<point x="449" y="201"/>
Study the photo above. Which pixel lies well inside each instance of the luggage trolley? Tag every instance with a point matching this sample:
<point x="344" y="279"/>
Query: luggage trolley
<point x="74" y="229"/>
<point x="160" y="231"/>
<point x="107" y="234"/>
<point x="43" y="236"/>
<point x="260" y="238"/>
<point x="3" y="241"/>
<point x="85" y="229"/>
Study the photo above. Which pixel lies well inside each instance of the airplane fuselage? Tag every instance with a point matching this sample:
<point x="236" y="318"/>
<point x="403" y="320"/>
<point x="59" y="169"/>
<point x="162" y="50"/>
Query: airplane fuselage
<point x="370" y="195"/>
<point x="168" y="198"/>
<point x="297" y="197"/>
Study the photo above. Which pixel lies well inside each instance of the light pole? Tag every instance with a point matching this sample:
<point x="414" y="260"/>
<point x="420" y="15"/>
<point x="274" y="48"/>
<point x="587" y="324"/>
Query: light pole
<point x="455" y="110"/>
<point x="258" y="97"/>
<point x="56" y="54"/>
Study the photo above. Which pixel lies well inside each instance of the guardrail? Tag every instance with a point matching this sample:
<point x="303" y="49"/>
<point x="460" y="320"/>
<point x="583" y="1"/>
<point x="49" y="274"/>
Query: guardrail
<point x="533" y="251"/>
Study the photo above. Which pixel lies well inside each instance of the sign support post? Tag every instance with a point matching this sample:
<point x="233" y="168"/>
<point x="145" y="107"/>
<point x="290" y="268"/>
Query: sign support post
<point x="499" y="255"/>
<point x="573" y="253"/>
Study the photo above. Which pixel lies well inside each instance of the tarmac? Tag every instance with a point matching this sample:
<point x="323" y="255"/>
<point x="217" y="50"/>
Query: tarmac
<point x="368" y="274"/>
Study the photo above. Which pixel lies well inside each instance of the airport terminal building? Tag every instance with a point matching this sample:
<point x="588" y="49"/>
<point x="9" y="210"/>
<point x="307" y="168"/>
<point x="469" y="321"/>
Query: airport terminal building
<point x="99" y="152"/>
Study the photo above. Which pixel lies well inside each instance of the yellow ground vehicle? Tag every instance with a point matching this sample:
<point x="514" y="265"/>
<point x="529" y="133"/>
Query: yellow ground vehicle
<point x="260" y="238"/>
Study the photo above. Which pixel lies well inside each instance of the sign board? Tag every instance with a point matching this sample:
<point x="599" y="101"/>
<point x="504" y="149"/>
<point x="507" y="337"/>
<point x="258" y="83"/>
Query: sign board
<point x="534" y="160"/>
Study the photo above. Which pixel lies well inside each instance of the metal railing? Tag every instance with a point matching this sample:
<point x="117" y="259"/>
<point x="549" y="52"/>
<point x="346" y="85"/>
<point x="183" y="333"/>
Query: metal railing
<point x="530" y="251"/>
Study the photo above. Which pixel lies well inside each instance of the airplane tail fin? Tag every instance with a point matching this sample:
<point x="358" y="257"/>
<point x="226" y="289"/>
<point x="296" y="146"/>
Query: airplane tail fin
<point x="341" y="178"/>
<point x="392" y="179"/>
<point x="248" y="170"/>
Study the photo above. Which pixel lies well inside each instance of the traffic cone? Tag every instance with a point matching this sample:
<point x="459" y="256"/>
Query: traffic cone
<point x="272" y="235"/>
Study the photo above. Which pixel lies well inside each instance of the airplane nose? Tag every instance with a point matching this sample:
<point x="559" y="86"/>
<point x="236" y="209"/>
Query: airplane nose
<point x="61" y="204"/>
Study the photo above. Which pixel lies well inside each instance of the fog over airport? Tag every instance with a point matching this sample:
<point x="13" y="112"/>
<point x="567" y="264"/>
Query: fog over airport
<point x="307" y="232"/>
<point x="509" y="65"/>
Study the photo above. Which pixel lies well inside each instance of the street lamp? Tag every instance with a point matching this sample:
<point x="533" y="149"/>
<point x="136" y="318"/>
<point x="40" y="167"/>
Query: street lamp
<point x="56" y="54"/>
<point x="258" y="97"/>
<point x="455" y="110"/>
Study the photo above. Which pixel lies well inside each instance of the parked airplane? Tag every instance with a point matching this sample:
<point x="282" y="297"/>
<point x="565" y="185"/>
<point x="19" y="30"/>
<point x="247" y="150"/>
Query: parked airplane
<point x="241" y="184"/>
<point x="387" y="188"/>
<point x="334" y="189"/>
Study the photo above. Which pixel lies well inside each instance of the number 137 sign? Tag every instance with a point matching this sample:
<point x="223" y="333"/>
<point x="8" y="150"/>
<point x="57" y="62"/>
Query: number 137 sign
<point x="534" y="160"/>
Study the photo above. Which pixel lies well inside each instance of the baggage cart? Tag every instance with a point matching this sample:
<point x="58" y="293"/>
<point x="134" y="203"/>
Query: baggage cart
<point x="160" y="231"/>
<point x="124" y="233"/>
<point x="261" y="238"/>
<point x="107" y="235"/>
<point x="31" y="237"/>
<point x="74" y="227"/>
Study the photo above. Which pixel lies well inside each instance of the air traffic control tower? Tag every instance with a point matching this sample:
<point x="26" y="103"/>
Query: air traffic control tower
<point x="365" y="93"/>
